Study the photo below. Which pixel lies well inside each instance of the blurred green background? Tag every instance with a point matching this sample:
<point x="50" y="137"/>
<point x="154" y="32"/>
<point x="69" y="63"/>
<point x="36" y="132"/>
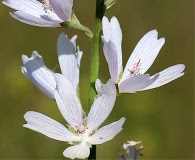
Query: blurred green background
<point x="162" y="118"/>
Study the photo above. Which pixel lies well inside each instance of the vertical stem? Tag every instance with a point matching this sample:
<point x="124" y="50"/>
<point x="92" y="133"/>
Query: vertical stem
<point x="94" y="59"/>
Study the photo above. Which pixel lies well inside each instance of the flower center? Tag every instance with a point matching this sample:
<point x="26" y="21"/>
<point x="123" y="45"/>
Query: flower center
<point x="47" y="6"/>
<point x="80" y="128"/>
<point x="136" y="68"/>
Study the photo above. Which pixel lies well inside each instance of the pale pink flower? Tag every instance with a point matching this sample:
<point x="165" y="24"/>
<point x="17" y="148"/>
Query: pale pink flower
<point x="133" y="78"/>
<point x="69" y="57"/>
<point x="83" y="130"/>
<point x="50" y="13"/>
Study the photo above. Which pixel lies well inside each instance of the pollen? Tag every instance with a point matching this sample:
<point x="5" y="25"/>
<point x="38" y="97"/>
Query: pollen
<point x="80" y="129"/>
<point x="136" y="68"/>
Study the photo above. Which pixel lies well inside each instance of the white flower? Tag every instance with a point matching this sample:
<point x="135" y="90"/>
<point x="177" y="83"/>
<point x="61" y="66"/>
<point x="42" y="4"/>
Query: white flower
<point x="133" y="78"/>
<point x="50" y="13"/>
<point x="43" y="78"/>
<point x="82" y="131"/>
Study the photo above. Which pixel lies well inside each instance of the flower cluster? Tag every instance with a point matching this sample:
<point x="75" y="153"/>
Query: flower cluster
<point x="83" y="129"/>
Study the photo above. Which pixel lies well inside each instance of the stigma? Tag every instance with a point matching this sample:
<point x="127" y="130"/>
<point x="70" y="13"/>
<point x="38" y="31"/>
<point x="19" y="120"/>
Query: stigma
<point x="136" y="68"/>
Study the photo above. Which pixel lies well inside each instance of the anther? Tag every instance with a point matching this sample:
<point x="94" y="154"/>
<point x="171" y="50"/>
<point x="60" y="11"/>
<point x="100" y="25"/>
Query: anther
<point x="47" y="5"/>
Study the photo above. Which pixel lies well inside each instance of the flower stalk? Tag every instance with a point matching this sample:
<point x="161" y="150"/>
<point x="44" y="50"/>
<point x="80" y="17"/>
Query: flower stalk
<point x="75" y="24"/>
<point x="94" y="59"/>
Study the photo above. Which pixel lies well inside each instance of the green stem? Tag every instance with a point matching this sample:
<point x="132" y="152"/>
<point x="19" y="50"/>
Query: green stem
<point x="94" y="60"/>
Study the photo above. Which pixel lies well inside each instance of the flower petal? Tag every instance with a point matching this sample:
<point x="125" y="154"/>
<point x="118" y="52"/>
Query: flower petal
<point x="32" y="12"/>
<point x="107" y="132"/>
<point x="112" y="38"/>
<point x="144" y="53"/>
<point x="42" y="77"/>
<point x="67" y="101"/>
<point x="102" y="105"/>
<point x="112" y="32"/>
<point x="47" y="126"/>
<point x="32" y="7"/>
<point x="167" y="76"/>
<point x="69" y="58"/>
<point x="136" y="83"/>
<point x="80" y="151"/>
<point x="63" y="8"/>
<point x="112" y="60"/>
<point x="35" y="21"/>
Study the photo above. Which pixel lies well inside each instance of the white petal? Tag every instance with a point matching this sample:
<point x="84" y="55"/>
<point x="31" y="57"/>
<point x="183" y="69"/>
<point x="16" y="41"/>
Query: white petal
<point x="80" y="151"/>
<point x="106" y="29"/>
<point x="107" y="132"/>
<point x="47" y="126"/>
<point x="69" y="59"/>
<point x="35" y="21"/>
<point x="32" y="7"/>
<point x="102" y="105"/>
<point x="167" y="76"/>
<point x="112" y="60"/>
<point x="112" y="39"/>
<point x="63" y="8"/>
<point x="145" y="53"/>
<point x="136" y="83"/>
<point x="77" y="70"/>
<point x="73" y="40"/>
<point x="42" y="77"/>
<point x="32" y="12"/>
<point x="112" y="32"/>
<point x="67" y="101"/>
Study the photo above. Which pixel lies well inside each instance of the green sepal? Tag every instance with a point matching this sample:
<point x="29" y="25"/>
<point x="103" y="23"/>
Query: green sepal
<point x="74" y="23"/>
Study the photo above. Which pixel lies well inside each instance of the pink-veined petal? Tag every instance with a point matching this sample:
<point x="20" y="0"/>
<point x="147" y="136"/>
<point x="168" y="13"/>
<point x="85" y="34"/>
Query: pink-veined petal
<point x="102" y="105"/>
<point x="32" y="12"/>
<point x="67" y="101"/>
<point x="42" y="77"/>
<point x="107" y="132"/>
<point x="32" y="7"/>
<point x="63" y="8"/>
<point x="80" y="151"/>
<point x="112" y="32"/>
<point x="136" y="83"/>
<point x="35" y="21"/>
<point x="144" y="53"/>
<point x="112" y="60"/>
<point x="167" y="75"/>
<point x="69" y="58"/>
<point x="112" y="39"/>
<point x="47" y="126"/>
